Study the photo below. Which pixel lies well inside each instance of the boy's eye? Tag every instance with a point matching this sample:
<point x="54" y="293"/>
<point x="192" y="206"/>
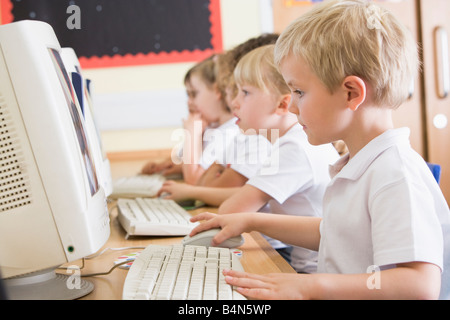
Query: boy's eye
<point x="299" y="93"/>
<point x="191" y="94"/>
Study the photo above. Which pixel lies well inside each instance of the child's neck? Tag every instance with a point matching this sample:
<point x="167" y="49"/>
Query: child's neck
<point x="369" y="124"/>
<point x="282" y="127"/>
<point x="224" y="117"/>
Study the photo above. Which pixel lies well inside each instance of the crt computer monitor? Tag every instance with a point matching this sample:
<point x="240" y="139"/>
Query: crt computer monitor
<point x="85" y="99"/>
<point x="52" y="207"/>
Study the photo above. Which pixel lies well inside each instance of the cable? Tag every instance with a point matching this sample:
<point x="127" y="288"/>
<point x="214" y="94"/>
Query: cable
<point x="105" y="273"/>
<point x="99" y="254"/>
<point x="95" y="255"/>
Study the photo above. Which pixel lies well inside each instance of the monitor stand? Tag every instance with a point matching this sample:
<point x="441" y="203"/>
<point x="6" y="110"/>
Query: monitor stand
<point x="47" y="285"/>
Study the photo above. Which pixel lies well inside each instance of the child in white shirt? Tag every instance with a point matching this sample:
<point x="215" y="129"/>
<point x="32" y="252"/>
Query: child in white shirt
<point x="294" y="177"/>
<point x="173" y="165"/>
<point x="228" y="157"/>
<point x="212" y="109"/>
<point x="245" y="155"/>
<point x="386" y="225"/>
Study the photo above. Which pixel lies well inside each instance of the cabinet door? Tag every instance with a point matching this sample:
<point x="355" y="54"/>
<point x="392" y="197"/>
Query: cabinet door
<point x="410" y="114"/>
<point x="435" y="16"/>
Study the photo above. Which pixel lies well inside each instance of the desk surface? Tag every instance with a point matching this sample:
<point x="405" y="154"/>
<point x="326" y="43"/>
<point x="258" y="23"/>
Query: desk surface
<point x="258" y="256"/>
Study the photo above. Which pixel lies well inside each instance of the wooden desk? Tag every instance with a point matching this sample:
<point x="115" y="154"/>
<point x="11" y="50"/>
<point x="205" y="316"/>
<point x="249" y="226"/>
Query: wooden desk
<point x="258" y="256"/>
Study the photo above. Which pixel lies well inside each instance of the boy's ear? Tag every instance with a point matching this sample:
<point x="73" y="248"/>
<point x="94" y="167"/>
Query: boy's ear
<point x="356" y="90"/>
<point x="217" y="91"/>
<point x="283" y="105"/>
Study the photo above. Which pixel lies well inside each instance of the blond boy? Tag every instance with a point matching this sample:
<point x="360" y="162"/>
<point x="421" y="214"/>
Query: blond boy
<point x="385" y="229"/>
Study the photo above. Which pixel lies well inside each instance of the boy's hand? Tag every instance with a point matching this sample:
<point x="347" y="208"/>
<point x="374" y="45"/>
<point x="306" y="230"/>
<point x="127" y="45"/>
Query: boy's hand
<point x="153" y="167"/>
<point x="274" y="286"/>
<point x="176" y="190"/>
<point x="194" y="120"/>
<point x="231" y="224"/>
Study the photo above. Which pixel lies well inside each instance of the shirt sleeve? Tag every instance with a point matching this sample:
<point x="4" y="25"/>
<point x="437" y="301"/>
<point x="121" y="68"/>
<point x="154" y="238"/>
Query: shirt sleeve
<point x="284" y="173"/>
<point x="405" y="227"/>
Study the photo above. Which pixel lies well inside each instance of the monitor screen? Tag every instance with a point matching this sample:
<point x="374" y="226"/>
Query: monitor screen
<point x="83" y="91"/>
<point x="71" y="99"/>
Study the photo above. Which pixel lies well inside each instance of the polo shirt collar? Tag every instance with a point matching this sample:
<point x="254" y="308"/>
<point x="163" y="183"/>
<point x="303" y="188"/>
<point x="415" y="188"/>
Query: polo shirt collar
<point x="353" y="169"/>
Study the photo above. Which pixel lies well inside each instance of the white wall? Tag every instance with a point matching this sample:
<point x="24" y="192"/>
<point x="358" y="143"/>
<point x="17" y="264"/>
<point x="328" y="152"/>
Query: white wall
<point x="138" y="108"/>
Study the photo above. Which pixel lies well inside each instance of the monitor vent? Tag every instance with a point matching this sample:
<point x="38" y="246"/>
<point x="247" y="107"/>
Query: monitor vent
<point x="14" y="186"/>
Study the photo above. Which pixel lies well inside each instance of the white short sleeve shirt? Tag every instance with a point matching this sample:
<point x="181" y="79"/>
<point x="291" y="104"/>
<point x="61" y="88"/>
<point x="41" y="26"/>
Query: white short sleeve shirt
<point x="384" y="207"/>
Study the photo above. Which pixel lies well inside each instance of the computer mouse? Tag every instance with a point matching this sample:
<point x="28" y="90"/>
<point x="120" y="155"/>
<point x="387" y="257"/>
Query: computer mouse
<point x="205" y="238"/>
<point x="164" y="195"/>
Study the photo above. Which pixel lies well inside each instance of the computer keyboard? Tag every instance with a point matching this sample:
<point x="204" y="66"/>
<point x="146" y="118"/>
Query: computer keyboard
<point x="153" y="217"/>
<point x="178" y="272"/>
<point x="137" y="186"/>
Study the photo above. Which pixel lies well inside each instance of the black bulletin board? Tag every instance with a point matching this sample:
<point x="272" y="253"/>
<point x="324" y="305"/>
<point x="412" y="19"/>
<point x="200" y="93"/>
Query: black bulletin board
<point x="127" y="32"/>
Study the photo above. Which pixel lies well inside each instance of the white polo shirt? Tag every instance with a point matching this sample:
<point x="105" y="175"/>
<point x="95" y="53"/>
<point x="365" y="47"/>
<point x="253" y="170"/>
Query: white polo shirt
<point x="295" y="176"/>
<point x="382" y="208"/>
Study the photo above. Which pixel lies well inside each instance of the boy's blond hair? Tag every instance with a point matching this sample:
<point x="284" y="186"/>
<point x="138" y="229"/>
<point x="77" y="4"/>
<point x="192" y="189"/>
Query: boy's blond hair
<point x="257" y="68"/>
<point x="341" y="38"/>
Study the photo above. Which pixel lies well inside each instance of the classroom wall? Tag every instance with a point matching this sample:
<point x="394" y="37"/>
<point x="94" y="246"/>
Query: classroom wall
<point x="139" y="108"/>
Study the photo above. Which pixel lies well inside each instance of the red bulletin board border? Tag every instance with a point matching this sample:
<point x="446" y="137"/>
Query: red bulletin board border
<point x="150" y="58"/>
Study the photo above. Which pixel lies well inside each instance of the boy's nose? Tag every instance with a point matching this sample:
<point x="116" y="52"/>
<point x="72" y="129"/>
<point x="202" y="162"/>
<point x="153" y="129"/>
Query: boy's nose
<point x="293" y="108"/>
<point x="191" y="106"/>
<point x="234" y="104"/>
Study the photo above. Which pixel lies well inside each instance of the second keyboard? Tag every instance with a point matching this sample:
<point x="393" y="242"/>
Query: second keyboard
<point x="154" y="217"/>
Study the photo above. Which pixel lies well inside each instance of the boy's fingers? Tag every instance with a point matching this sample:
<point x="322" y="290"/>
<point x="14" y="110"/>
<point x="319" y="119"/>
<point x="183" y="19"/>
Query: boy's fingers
<point x="203" y="216"/>
<point x="202" y="226"/>
<point x="221" y="236"/>
<point x="246" y="280"/>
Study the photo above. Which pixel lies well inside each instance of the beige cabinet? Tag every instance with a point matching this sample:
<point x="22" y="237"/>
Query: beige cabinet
<point x="435" y="28"/>
<point x="411" y="113"/>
